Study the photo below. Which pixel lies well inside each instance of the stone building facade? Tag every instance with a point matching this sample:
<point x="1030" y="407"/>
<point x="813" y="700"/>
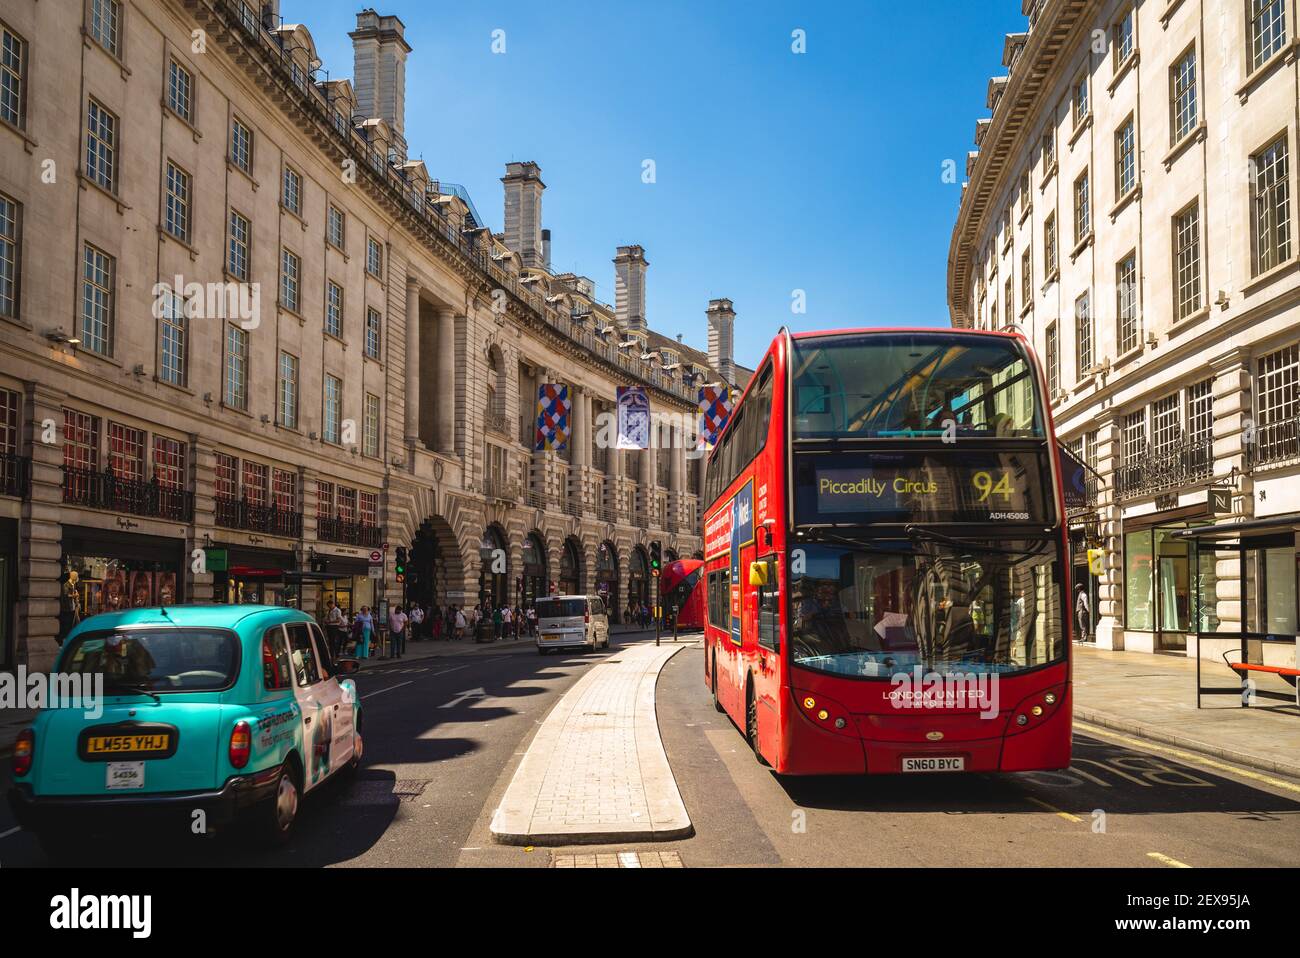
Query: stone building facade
<point x="358" y="371"/>
<point x="1131" y="205"/>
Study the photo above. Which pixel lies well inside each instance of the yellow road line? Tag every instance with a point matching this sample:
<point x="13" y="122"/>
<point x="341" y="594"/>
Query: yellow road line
<point x="1189" y="757"/>
<point x="1166" y="860"/>
<point x="1055" y="811"/>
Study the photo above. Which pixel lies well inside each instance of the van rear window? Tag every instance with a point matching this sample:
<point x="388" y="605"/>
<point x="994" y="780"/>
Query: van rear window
<point x="560" y="608"/>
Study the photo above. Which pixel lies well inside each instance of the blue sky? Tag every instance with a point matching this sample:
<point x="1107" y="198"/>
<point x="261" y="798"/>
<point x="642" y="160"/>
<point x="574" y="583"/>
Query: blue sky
<point x="774" y="171"/>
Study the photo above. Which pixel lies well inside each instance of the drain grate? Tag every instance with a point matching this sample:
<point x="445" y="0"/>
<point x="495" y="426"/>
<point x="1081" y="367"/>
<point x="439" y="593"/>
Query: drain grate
<point x="372" y="791"/>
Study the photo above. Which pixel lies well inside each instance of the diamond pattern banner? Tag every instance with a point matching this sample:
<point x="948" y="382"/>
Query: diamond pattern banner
<point x="633" y="418"/>
<point x="715" y="410"/>
<point x="553" y="407"/>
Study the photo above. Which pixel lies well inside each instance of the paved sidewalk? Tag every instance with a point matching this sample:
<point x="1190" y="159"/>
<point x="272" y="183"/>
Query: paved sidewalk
<point x="1154" y="697"/>
<point x="596" y="771"/>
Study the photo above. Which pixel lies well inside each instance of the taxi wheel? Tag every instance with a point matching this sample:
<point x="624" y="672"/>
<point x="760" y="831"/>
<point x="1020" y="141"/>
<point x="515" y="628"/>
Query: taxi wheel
<point x="280" y="812"/>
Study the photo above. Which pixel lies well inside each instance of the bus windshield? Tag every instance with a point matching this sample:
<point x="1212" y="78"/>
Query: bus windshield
<point x="884" y="607"/>
<point x="905" y="385"/>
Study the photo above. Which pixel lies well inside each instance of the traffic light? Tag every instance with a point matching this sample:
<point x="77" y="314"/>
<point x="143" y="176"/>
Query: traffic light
<point x="399" y="565"/>
<point x="655" y="558"/>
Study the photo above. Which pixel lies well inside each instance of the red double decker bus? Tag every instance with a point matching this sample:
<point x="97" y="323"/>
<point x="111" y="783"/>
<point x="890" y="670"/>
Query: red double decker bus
<point x="885" y="557"/>
<point x="683" y="592"/>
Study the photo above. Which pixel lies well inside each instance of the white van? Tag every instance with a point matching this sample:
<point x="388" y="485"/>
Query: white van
<point x="570" y="622"/>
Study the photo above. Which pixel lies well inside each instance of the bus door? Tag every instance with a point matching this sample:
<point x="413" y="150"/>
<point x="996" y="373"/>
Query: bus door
<point x="765" y="588"/>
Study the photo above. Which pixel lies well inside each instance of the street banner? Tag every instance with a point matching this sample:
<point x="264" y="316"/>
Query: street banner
<point x="715" y="410"/>
<point x="552" y="417"/>
<point x="633" y="418"/>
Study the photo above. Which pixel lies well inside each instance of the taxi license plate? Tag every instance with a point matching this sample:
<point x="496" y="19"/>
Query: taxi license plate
<point x="550" y="637"/>
<point x="124" y="775"/>
<point x="955" y="763"/>
<point x="135" y="744"/>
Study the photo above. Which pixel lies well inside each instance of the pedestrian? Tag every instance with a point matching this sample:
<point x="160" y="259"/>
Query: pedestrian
<point x="417" y="622"/>
<point x="435" y="621"/>
<point x="461" y="624"/>
<point x="334" y="628"/>
<point x="363" y="627"/>
<point x="532" y="621"/>
<point x="397" y="632"/>
<point x="1082" y="614"/>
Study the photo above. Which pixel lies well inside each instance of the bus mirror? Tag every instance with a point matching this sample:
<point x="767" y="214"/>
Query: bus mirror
<point x="758" y="573"/>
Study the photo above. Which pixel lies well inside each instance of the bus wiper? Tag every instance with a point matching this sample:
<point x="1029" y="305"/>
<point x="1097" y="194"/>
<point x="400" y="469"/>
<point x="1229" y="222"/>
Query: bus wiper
<point x="918" y="532"/>
<point x="862" y="544"/>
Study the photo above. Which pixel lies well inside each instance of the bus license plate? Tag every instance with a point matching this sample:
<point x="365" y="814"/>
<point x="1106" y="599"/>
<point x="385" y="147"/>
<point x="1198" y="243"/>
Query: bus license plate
<point x="946" y="764"/>
<point x="125" y="775"/>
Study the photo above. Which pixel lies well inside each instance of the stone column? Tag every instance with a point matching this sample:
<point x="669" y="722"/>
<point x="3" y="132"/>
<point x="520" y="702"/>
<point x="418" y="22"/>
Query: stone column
<point x="40" y="535"/>
<point x="1233" y="412"/>
<point x="1110" y="587"/>
<point x="412" y="361"/>
<point x="446" y="345"/>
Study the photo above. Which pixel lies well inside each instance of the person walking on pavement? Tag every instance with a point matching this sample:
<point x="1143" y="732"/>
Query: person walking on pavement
<point x="397" y="632"/>
<point x="460" y="624"/>
<point x="507" y="623"/>
<point x="1082" y="614"/>
<point x="363" y="627"/>
<point x="498" y="622"/>
<point x="334" y="628"/>
<point x="416" y="618"/>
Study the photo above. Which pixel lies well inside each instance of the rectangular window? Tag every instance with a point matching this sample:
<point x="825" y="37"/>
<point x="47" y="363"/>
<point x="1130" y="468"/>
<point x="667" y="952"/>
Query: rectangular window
<point x="372" y="333"/>
<point x="347" y="504"/>
<point x="1082" y="208"/>
<point x="80" y="441"/>
<point x="174" y="339"/>
<point x="333" y="408"/>
<point x="993" y="314"/>
<point x="374" y="257"/>
<point x="1049" y="151"/>
<point x="1024" y="191"/>
<point x="255" y="483"/>
<point x="97" y="301"/>
<point x="334" y="310"/>
<point x="101" y="146"/>
<point x="1125" y="159"/>
<point x="1139" y="580"/>
<point x="1009" y="295"/>
<point x="1126" y="298"/>
<point x="236" y="395"/>
<point x="324" y="500"/>
<point x="368" y="508"/>
<point x="10" y="255"/>
<point x="241" y="145"/>
<point x="1053" y="361"/>
<point x="169" y="462"/>
<point x="1049" y="246"/>
<point x="180" y="91"/>
<point x="1080" y="100"/>
<point x="1185" y="109"/>
<point x="370" y="428"/>
<point x="10" y="438"/>
<point x="1135" y="437"/>
<point x="106" y="25"/>
<point x="284" y="490"/>
<point x="1271" y="189"/>
<point x="1166" y="428"/>
<point x="288" y="402"/>
<point x="290" y="268"/>
<point x="177" y="214"/>
<point x="225" y="483"/>
<point x="1279" y="386"/>
<point x="1026" y="278"/>
<point x="1200" y="410"/>
<point x="1267" y="30"/>
<point x="335" y="227"/>
<point x="241" y="232"/>
<point x="1083" y="335"/>
<point x="1121" y="36"/>
<point x="13" y="78"/>
<point x="125" y="451"/>
<point x="292" y="197"/>
<point x="1187" y="262"/>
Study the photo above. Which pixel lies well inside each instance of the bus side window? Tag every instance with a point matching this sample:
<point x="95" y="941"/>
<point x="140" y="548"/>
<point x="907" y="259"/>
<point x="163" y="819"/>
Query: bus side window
<point x="769" y="608"/>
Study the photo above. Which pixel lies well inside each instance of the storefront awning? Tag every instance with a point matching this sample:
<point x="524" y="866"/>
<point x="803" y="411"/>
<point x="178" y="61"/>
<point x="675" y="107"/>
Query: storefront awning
<point x="1269" y="525"/>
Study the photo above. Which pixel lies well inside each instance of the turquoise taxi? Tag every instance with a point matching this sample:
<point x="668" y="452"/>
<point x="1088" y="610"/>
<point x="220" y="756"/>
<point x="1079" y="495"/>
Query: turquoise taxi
<point x="208" y="715"/>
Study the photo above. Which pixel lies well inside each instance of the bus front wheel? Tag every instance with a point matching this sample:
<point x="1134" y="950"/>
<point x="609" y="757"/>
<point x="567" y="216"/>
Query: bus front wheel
<point x="713" y="680"/>
<point x="751" y="721"/>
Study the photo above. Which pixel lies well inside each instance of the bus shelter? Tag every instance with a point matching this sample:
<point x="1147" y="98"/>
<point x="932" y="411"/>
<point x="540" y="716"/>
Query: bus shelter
<point x="1245" y="605"/>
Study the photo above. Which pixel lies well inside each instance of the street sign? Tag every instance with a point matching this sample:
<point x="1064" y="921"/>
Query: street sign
<point x="376" y="572"/>
<point x="1220" y="501"/>
<point x="217" y="560"/>
<point x="377" y="557"/>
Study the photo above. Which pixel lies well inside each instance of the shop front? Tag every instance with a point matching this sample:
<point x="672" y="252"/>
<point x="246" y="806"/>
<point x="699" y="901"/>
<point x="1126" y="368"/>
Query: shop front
<point x="638" y="579"/>
<point x="570" y="564"/>
<point x="1160" y="577"/>
<point x="111" y="570"/>
<point x="494" y="570"/>
<point x="247" y="575"/>
<point x="534" y="584"/>
<point x="607" y="579"/>
<point x="8" y="593"/>
<point x="344" y="580"/>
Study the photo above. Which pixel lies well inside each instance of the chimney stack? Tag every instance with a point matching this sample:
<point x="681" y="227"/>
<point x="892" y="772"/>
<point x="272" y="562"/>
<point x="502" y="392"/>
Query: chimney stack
<point x="546" y="249"/>
<point x="379" y="50"/>
<point x="722" y="321"/>
<point x="270" y="14"/>
<point x="524" y="186"/>
<point x="629" y="287"/>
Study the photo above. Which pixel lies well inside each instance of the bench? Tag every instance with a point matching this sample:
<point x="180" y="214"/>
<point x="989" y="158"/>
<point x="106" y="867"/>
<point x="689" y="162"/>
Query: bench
<point x="1244" y="669"/>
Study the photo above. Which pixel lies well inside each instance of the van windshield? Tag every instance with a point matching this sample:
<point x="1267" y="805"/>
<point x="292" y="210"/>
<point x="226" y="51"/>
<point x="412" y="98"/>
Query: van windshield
<point x="560" y="608"/>
<point x="157" y="660"/>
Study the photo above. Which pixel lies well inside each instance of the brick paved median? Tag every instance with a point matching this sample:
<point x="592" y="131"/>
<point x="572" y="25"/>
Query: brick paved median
<point x="596" y="771"/>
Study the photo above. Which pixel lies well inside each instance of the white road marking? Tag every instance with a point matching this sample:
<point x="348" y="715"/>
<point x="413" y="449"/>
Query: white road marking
<point x="478" y="693"/>
<point x="12" y="831"/>
<point x="389" y="689"/>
